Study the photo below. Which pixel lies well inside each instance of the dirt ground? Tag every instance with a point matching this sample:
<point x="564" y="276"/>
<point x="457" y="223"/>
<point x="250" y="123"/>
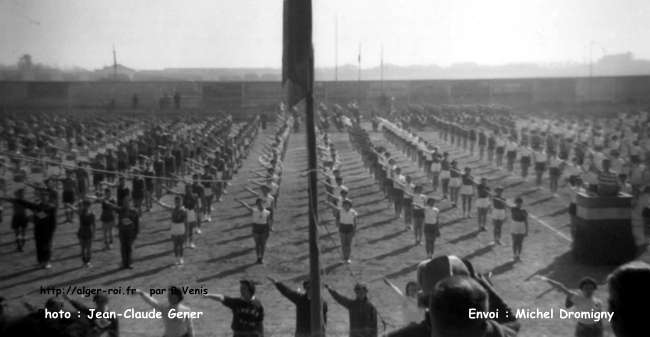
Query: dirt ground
<point x="382" y="248"/>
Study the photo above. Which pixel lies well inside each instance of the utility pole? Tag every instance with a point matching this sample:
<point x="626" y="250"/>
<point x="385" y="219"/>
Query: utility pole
<point x="114" y="64"/>
<point x="336" y="49"/>
<point x="359" y="79"/>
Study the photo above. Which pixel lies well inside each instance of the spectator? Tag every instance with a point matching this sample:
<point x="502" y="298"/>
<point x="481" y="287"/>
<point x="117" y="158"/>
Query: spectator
<point x="303" y="307"/>
<point x="247" y="311"/>
<point x="450" y="306"/>
<point x="628" y="295"/>
<point x="176" y="326"/>
<point x="363" y="315"/>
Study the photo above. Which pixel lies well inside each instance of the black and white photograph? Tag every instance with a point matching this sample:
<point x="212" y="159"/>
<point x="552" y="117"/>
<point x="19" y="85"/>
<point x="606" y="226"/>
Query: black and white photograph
<point x="326" y="168"/>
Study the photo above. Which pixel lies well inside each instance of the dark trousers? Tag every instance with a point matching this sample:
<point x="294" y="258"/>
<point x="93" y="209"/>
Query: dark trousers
<point x="43" y="237"/>
<point x="126" y="247"/>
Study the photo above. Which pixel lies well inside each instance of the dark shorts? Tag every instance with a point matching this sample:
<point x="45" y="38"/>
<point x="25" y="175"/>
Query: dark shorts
<point x="525" y="160"/>
<point x="540" y="167"/>
<point x="260" y="229"/>
<point x="418" y="213"/>
<point x="431" y="231"/>
<point x="554" y="171"/>
<point x="511" y="155"/>
<point x="345" y="228"/>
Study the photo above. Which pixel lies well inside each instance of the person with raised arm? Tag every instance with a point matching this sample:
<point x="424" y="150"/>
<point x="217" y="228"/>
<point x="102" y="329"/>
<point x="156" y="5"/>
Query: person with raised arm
<point x="302" y="300"/>
<point x="45" y="222"/>
<point x="362" y="313"/>
<point x="411" y="312"/>
<point x="260" y="226"/>
<point x="247" y="310"/>
<point x="582" y="301"/>
<point x="100" y="327"/>
<point x="178" y="228"/>
<point x="175" y="324"/>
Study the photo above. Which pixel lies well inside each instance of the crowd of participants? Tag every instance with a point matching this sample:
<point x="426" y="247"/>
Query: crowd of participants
<point x="72" y="165"/>
<point x="446" y="287"/>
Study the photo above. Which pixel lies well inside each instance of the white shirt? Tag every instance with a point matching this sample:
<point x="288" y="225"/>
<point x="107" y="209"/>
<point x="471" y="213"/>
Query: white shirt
<point x="431" y="215"/>
<point x="347" y="217"/>
<point x="584" y="304"/>
<point x="260" y="217"/>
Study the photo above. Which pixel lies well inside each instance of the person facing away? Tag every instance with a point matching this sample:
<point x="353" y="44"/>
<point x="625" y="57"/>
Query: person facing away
<point x="629" y="294"/>
<point x="362" y="313"/>
<point x="177" y="326"/>
<point x="303" y="307"/>
<point x="449" y="307"/>
<point x="247" y="311"/>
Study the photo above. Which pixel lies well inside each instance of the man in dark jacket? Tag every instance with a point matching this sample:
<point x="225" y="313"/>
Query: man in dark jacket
<point x="363" y="315"/>
<point x="303" y="307"/>
<point x="45" y="221"/>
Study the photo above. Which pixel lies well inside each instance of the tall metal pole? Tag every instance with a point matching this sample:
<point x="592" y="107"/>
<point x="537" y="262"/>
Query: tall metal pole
<point x="359" y="79"/>
<point x="336" y="49"/>
<point x="114" y="64"/>
<point x="381" y="70"/>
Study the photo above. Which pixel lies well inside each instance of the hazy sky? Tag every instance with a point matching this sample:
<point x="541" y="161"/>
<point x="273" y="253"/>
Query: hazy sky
<point x="153" y="34"/>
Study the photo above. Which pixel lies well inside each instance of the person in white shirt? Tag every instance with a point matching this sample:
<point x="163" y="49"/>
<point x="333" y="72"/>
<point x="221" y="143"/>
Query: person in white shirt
<point x="411" y="312"/>
<point x="260" y="226"/>
<point x="582" y="301"/>
<point x="554" y="171"/>
<point x="431" y="231"/>
<point x="347" y="228"/>
<point x="419" y="201"/>
<point x="179" y="226"/>
<point x="173" y="314"/>
<point x="540" y="166"/>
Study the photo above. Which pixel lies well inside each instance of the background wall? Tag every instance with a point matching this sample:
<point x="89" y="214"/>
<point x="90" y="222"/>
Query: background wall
<point x="247" y="96"/>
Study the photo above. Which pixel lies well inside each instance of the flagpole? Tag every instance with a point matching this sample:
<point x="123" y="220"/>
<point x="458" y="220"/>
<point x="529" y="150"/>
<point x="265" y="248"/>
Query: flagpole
<point x="359" y="79"/>
<point x="381" y="70"/>
<point x="336" y="49"/>
<point x="315" y="309"/>
<point x="298" y="73"/>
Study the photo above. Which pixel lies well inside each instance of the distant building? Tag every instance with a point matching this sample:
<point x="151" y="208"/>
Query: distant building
<point x="109" y="74"/>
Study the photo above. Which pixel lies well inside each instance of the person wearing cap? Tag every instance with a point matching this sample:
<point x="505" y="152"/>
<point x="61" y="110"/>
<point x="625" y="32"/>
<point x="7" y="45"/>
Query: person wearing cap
<point x="302" y="300"/>
<point x="45" y="222"/>
<point x="582" y="301"/>
<point x="362" y="313"/>
<point x="260" y="226"/>
<point x="247" y="310"/>
<point x="498" y="213"/>
<point x="176" y="323"/>
<point x="101" y="327"/>
<point x="518" y="228"/>
<point x="450" y="307"/>
<point x="433" y="272"/>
